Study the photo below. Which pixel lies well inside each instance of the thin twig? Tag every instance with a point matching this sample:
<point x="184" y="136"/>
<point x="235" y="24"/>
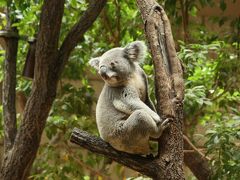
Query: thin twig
<point x="194" y="148"/>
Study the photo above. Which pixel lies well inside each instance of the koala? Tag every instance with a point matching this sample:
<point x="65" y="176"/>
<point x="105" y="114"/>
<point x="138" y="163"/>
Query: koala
<point x="125" y="115"/>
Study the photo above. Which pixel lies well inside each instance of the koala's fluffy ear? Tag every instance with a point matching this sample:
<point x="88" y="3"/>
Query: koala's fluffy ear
<point x="135" y="51"/>
<point x="94" y="62"/>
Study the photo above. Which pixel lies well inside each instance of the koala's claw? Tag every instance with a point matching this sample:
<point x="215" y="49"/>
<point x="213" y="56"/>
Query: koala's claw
<point x="166" y="123"/>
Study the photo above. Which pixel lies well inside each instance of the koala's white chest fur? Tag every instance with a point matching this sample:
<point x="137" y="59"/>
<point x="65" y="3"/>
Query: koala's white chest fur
<point x="137" y="81"/>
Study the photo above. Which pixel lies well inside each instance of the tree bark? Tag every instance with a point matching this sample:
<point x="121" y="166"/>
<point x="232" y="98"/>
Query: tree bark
<point x="10" y="37"/>
<point x="50" y="62"/>
<point x="169" y="93"/>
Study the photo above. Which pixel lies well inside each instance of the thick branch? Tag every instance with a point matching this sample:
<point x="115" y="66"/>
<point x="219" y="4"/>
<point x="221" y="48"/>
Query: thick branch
<point x="147" y="166"/>
<point x="75" y="35"/>
<point x="163" y="84"/>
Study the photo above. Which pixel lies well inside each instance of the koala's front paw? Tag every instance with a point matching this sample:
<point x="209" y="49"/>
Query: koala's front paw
<point x="162" y="126"/>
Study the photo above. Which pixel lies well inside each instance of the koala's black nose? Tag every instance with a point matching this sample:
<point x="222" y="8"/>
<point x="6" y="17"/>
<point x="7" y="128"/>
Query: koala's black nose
<point x="103" y="71"/>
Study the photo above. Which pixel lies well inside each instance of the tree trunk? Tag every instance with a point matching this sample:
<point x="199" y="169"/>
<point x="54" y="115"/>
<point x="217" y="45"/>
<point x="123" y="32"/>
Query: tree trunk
<point x="9" y="98"/>
<point x="168" y="85"/>
<point x="50" y="62"/>
<point x="10" y="37"/>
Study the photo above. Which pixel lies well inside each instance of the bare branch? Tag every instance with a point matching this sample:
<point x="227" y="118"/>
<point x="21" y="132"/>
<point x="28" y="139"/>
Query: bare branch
<point x="75" y="35"/>
<point x="147" y="166"/>
<point x="10" y="37"/>
<point x="49" y="63"/>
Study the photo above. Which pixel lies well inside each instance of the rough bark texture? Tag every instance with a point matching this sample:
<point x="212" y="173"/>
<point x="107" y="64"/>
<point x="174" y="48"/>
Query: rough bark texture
<point x="169" y="93"/>
<point x="9" y="98"/>
<point x="49" y="64"/>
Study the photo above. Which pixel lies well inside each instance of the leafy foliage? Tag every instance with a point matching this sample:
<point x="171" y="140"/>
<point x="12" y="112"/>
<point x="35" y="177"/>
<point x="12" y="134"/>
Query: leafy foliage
<point x="212" y="98"/>
<point x="223" y="145"/>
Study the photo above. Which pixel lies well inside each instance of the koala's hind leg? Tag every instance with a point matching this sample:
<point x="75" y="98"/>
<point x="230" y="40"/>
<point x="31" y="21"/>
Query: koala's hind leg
<point x="137" y="129"/>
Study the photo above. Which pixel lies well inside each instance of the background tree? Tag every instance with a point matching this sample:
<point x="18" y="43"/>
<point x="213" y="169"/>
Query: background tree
<point x="50" y="61"/>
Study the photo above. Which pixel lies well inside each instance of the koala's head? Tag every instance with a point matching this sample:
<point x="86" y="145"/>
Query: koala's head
<point x="116" y="65"/>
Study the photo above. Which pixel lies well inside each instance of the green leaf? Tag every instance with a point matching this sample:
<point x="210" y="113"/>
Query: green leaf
<point x="209" y="131"/>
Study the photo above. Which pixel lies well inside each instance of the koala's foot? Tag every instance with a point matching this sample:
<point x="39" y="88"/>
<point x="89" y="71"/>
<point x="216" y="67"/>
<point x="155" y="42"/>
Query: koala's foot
<point x="166" y="123"/>
<point x="160" y="128"/>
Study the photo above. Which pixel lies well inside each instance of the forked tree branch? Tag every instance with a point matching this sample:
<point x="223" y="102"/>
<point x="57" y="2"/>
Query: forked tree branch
<point x="49" y="64"/>
<point x="195" y="160"/>
<point x="168" y="165"/>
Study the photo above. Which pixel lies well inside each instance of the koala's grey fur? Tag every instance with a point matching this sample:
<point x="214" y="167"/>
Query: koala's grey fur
<point x="125" y="115"/>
